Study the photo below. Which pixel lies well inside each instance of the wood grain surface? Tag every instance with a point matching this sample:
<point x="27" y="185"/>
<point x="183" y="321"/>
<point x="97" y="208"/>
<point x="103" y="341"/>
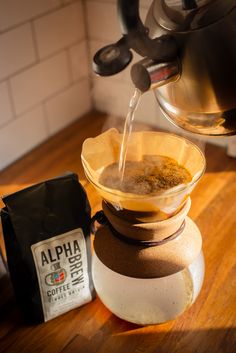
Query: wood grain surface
<point x="208" y="326"/>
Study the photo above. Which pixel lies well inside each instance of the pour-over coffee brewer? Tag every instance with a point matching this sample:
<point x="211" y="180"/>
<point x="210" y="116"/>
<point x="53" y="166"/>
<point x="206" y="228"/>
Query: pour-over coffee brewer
<point x="147" y="264"/>
<point x="189" y="50"/>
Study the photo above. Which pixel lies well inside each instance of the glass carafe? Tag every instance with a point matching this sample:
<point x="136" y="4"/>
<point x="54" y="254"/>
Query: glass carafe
<point x="148" y="265"/>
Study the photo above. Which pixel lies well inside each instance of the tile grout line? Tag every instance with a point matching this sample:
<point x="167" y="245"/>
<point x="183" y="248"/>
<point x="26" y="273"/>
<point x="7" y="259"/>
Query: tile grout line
<point x="46" y="118"/>
<point x="64" y="4"/>
<point x="71" y="84"/>
<point x="33" y="18"/>
<point x="44" y="101"/>
<point x="37" y="17"/>
<point x="42" y="60"/>
<point x="10" y="93"/>
<point x="88" y="50"/>
<point x="34" y="37"/>
<point x="69" y="66"/>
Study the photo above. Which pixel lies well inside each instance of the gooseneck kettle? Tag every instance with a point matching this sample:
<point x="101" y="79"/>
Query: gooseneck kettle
<point x="189" y="60"/>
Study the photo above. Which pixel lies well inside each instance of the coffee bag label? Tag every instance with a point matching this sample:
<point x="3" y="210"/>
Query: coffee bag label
<point x="62" y="269"/>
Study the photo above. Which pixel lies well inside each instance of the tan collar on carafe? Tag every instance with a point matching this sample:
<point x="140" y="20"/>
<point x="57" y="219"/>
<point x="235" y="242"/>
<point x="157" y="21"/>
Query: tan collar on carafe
<point x="169" y="255"/>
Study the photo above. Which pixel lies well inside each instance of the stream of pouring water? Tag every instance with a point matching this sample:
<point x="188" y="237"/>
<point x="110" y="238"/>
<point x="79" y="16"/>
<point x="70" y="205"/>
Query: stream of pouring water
<point x="133" y="104"/>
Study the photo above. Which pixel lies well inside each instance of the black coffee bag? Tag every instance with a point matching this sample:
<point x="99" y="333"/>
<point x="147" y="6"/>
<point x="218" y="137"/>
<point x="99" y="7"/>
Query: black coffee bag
<point x="46" y="231"/>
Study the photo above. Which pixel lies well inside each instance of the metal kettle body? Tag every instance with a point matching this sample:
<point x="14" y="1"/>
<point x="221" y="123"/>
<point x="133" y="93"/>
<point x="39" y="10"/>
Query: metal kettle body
<point x="203" y="99"/>
<point x="189" y="51"/>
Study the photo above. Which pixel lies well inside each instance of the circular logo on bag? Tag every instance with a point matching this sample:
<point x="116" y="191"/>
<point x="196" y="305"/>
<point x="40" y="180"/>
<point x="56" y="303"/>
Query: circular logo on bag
<point x="58" y="276"/>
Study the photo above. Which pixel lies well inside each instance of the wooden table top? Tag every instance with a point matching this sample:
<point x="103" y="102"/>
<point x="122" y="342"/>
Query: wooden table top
<point x="208" y="326"/>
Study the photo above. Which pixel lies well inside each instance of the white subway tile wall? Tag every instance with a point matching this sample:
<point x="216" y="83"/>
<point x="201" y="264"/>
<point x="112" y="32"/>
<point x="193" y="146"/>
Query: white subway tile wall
<point x="14" y="12"/>
<point x="16" y="50"/>
<point x="22" y="134"/>
<point x="80" y="64"/>
<point x="102" y="21"/>
<point x="63" y="108"/>
<point x="59" y="29"/>
<point x="44" y="72"/>
<point x="39" y="82"/>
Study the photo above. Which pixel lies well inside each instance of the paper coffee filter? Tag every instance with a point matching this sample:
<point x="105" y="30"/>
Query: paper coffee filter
<point x="99" y="152"/>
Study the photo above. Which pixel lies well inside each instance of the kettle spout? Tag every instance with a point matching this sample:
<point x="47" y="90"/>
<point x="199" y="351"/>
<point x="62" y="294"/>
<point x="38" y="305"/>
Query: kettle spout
<point x="148" y="74"/>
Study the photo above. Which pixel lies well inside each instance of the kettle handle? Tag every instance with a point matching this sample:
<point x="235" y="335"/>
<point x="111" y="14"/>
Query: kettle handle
<point x="159" y="49"/>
